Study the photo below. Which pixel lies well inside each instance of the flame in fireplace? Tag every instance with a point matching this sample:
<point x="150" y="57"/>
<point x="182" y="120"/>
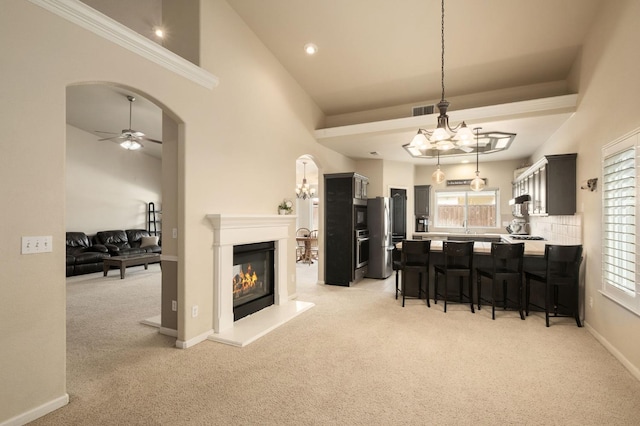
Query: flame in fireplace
<point x="243" y="282"/>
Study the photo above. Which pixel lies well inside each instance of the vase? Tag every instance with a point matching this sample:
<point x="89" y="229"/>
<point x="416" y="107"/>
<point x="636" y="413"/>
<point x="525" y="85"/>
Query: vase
<point x="283" y="211"/>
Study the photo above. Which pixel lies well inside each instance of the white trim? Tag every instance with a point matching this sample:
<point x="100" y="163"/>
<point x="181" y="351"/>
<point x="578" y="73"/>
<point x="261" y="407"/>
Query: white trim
<point x="615" y="352"/>
<point x="182" y="344"/>
<point x="168" y="258"/>
<point x="105" y="27"/>
<point x="564" y="103"/>
<point x="36" y="413"/>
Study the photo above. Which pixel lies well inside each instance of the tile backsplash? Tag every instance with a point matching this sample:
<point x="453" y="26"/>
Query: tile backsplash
<point x="558" y="229"/>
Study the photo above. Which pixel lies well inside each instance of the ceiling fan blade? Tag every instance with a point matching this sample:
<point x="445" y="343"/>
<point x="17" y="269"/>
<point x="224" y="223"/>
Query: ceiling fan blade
<point x="144" y="138"/>
<point x="115" y="138"/>
<point x="106" y="133"/>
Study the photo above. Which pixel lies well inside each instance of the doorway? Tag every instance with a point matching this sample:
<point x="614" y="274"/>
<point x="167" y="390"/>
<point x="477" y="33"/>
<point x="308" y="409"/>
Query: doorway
<point x="399" y="214"/>
<point x="308" y="221"/>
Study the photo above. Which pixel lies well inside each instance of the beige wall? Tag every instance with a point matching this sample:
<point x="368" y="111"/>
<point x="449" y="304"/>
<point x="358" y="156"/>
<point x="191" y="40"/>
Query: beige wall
<point x="606" y="79"/>
<point x="107" y="187"/>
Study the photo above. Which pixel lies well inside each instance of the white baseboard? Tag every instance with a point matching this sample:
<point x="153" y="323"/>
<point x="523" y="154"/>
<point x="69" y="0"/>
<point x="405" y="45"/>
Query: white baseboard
<point x="36" y="413"/>
<point x="615" y="352"/>
<point x="182" y="344"/>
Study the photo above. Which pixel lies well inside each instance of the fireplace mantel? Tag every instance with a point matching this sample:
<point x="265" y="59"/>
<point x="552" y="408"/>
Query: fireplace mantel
<point x="230" y="230"/>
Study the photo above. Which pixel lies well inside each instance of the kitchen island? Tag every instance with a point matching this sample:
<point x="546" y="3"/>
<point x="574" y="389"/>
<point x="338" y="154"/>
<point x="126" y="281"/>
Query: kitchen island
<point x="533" y="260"/>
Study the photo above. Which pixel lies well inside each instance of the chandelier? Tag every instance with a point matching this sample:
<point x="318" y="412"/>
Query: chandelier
<point x="443" y="137"/>
<point x="303" y="190"/>
<point x="452" y="140"/>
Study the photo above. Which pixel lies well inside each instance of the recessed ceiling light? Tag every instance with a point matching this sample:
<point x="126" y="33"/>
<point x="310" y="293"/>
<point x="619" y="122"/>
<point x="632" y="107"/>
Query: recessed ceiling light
<point x="310" y="49"/>
<point x="159" y="32"/>
<point x="464" y="161"/>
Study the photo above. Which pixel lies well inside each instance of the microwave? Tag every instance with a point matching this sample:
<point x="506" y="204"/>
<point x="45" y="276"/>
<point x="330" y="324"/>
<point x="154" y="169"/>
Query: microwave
<point x="359" y="216"/>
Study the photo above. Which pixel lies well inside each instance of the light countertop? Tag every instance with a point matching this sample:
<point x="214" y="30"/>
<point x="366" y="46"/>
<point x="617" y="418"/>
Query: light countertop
<point x="531" y="247"/>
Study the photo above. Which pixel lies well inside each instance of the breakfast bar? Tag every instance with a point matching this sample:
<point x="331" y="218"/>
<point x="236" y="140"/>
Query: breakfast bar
<point x="533" y="259"/>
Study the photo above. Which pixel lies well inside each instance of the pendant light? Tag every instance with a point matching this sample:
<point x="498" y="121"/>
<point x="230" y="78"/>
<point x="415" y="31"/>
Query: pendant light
<point x="303" y="190"/>
<point x="477" y="184"/>
<point x="438" y="175"/>
<point x="441" y="137"/>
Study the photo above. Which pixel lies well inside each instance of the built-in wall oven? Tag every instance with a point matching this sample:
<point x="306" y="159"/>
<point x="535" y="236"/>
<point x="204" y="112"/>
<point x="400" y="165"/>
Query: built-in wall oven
<point x="361" y="248"/>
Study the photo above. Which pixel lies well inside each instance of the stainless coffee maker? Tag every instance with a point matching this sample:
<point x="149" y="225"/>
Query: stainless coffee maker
<point x="422" y="224"/>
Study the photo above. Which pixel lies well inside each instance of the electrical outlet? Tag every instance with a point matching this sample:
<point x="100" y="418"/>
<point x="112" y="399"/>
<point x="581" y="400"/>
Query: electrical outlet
<point x="174" y="306"/>
<point x="194" y="311"/>
<point x="31" y="245"/>
<point x="174" y="232"/>
<point x="590" y="302"/>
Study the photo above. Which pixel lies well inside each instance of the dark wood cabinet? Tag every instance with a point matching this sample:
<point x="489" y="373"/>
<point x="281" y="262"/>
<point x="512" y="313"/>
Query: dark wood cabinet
<point x="551" y="183"/>
<point x="421" y="199"/>
<point x="343" y="193"/>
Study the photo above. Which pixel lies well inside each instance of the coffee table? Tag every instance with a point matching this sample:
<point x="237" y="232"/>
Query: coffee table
<point x="122" y="262"/>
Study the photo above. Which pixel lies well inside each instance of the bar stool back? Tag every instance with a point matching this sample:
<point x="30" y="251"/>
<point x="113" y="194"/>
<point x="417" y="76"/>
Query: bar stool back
<point x="396" y="265"/>
<point x="458" y="262"/>
<point x="562" y="270"/>
<point x="415" y="259"/>
<point x="507" y="260"/>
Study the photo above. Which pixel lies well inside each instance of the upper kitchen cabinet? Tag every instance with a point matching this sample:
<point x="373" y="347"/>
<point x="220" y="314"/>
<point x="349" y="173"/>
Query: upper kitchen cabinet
<point x="360" y="184"/>
<point x="551" y="183"/>
<point x="421" y="199"/>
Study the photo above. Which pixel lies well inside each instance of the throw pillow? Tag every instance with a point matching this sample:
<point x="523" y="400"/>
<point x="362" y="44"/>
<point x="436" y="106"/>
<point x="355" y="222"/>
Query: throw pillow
<point x="149" y="241"/>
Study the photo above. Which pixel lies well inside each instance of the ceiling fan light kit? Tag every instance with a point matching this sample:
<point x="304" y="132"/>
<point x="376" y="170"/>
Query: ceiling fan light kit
<point x="450" y="140"/>
<point x="130" y="139"/>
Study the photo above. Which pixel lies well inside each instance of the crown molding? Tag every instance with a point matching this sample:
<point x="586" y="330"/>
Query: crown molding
<point x="109" y="29"/>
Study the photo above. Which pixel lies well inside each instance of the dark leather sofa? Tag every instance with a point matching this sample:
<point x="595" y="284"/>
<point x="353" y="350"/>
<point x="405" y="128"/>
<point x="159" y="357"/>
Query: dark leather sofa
<point x="84" y="257"/>
<point x="85" y="254"/>
<point x="120" y="242"/>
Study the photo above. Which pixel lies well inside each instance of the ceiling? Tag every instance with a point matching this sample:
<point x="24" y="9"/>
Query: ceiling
<point x="379" y="54"/>
<point x="97" y="108"/>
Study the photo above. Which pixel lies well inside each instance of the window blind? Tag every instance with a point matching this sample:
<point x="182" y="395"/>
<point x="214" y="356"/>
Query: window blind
<point x="619" y="208"/>
<point x="620" y="236"/>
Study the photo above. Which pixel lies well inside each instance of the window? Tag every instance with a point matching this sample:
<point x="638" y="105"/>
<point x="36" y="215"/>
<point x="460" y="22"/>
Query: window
<point x="619" y="212"/>
<point x="466" y="209"/>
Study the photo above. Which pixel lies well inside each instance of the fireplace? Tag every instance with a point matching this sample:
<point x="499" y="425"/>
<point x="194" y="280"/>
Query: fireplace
<point x="253" y="275"/>
<point x="231" y="231"/>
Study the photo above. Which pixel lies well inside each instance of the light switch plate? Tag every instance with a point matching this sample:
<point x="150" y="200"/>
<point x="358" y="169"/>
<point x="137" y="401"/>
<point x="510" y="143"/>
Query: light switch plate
<point x="33" y="245"/>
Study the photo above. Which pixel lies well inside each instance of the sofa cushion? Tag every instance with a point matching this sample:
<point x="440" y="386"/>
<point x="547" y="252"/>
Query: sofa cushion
<point x="90" y="257"/>
<point x="77" y="242"/>
<point x="149" y="241"/>
<point x="117" y="238"/>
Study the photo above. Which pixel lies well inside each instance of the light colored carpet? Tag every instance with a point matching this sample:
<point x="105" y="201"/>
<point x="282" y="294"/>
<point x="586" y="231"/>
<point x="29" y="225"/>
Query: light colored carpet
<point x="356" y="358"/>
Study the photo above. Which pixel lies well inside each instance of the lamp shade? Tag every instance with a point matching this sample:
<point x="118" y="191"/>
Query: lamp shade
<point x="477" y="184"/>
<point x="438" y="175"/>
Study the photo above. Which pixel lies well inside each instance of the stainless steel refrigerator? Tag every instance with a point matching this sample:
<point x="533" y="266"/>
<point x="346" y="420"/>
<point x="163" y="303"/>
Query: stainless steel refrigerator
<point x="379" y="219"/>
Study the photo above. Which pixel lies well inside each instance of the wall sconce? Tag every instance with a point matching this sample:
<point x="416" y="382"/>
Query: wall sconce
<point x="590" y="184"/>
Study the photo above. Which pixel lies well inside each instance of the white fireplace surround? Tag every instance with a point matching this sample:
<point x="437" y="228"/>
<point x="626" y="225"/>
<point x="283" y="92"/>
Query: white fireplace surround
<point x="230" y="230"/>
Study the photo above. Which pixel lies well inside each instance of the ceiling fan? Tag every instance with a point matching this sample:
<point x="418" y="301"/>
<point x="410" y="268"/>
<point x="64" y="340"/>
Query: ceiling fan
<point x="129" y="139"/>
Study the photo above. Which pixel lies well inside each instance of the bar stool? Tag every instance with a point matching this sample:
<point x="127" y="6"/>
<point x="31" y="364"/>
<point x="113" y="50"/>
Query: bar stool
<point x="415" y="258"/>
<point x="458" y="262"/>
<point x="396" y="265"/>
<point x="507" y="260"/>
<point x="562" y="270"/>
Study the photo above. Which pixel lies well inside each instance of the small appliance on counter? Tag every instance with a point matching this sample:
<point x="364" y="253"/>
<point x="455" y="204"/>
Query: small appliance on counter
<point x="518" y="226"/>
<point x="422" y="224"/>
